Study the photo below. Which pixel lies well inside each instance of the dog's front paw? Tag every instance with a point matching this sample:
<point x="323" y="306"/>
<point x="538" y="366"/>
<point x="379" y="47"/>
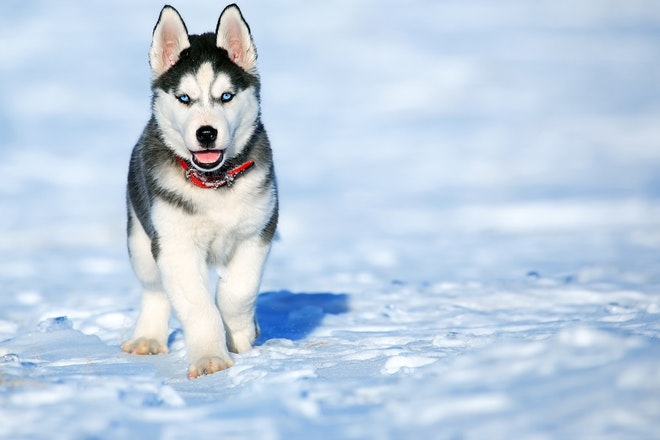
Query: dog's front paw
<point x="208" y="365"/>
<point x="144" y="346"/>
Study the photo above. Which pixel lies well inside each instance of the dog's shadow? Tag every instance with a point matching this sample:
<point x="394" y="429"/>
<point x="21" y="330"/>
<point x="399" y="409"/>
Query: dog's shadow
<point x="293" y="316"/>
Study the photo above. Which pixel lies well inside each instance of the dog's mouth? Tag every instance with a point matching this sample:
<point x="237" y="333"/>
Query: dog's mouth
<point x="208" y="160"/>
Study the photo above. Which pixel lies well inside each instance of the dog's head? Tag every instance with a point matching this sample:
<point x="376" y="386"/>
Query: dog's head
<point x="205" y="87"/>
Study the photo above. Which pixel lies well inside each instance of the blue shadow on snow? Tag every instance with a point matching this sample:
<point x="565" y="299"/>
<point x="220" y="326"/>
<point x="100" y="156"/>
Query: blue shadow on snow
<point x="293" y="316"/>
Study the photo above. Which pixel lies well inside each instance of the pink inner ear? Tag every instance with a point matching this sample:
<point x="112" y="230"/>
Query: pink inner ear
<point x="235" y="51"/>
<point x="170" y="54"/>
<point x="234" y="42"/>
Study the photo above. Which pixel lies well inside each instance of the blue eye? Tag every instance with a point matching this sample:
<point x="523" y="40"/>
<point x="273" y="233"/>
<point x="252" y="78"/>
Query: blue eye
<point x="184" y="99"/>
<point x="226" y="97"/>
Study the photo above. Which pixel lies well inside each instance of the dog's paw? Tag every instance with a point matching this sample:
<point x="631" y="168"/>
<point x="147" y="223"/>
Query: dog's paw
<point x="144" y="346"/>
<point x="208" y="365"/>
<point x="241" y="341"/>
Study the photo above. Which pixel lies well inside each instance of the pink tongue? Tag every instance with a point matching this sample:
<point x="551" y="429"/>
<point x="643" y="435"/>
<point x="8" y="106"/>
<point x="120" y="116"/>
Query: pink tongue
<point x="207" y="156"/>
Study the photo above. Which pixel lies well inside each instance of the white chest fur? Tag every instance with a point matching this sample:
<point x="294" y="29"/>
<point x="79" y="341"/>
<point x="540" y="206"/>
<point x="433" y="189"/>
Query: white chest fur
<point x="222" y="217"/>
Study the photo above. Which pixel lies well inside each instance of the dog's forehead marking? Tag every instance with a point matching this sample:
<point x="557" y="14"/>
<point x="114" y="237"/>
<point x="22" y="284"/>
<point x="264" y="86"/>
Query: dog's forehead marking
<point x="205" y="84"/>
<point x="205" y="77"/>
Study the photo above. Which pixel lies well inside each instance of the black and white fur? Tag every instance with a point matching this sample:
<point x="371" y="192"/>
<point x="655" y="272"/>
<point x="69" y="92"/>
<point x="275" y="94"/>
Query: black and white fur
<point x="204" y="84"/>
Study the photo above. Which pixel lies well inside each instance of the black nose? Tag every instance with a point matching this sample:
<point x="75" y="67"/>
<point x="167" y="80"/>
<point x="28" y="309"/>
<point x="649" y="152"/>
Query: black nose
<point x="206" y="135"/>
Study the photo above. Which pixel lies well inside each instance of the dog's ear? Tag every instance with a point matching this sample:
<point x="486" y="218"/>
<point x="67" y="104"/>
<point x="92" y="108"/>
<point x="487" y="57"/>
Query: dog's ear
<point x="169" y="39"/>
<point x="233" y="35"/>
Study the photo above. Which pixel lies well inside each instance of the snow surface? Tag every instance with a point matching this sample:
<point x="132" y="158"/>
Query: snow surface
<point x="470" y="224"/>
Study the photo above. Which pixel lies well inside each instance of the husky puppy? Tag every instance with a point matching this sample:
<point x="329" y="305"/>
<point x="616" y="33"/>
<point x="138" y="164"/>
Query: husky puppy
<point x="201" y="192"/>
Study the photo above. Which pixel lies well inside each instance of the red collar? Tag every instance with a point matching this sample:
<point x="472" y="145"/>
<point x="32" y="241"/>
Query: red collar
<point x="225" y="179"/>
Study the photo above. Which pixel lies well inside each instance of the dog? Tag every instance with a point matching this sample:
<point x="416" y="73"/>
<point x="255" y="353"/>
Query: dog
<point x="201" y="193"/>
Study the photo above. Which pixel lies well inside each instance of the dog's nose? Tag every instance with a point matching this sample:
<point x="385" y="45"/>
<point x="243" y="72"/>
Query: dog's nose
<point x="206" y="135"/>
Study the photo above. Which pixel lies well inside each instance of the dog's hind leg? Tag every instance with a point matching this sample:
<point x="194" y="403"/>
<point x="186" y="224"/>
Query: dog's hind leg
<point x="150" y="335"/>
<point x="237" y="293"/>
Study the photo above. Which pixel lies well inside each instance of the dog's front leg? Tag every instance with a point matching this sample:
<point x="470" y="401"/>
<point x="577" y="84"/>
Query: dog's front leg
<point x="185" y="278"/>
<point x="237" y="293"/>
<point x="150" y="335"/>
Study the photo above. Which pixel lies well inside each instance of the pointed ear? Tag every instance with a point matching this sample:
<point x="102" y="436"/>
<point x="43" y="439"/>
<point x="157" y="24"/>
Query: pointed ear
<point x="169" y="39"/>
<point x="233" y="35"/>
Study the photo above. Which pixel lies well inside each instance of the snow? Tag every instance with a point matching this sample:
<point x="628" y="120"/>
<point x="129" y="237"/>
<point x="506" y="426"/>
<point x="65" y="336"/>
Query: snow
<point x="470" y="224"/>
